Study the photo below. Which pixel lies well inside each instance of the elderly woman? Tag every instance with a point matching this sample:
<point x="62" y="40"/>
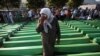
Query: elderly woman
<point x="49" y="28"/>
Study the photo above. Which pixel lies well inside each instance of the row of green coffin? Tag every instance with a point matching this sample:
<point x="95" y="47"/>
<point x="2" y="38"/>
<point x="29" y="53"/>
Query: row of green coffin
<point x="30" y="32"/>
<point x="32" y="42"/>
<point x="34" y="31"/>
<point x="89" y="30"/>
<point x="21" y="34"/>
<point x="86" y="31"/>
<point x="9" y="30"/>
<point x="6" y="32"/>
<point x="86" y="54"/>
<point x="81" y="25"/>
<point x="25" y="33"/>
<point x="3" y="25"/>
<point x="35" y="37"/>
<point x="34" y="26"/>
<point x="93" y="22"/>
<point x="96" y="23"/>
<point x="86" y="28"/>
<point x="93" y="35"/>
<point x="96" y="40"/>
<point x="78" y="23"/>
<point x="65" y="35"/>
<point x="81" y="54"/>
<point x="4" y="35"/>
<point x="32" y="50"/>
<point x="70" y="35"/>
<point x="12" y="28"/>
<point x="27" y="36"/>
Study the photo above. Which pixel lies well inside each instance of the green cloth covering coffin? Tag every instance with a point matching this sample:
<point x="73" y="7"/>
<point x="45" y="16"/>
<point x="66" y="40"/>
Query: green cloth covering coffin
<point x="32" y="50"/>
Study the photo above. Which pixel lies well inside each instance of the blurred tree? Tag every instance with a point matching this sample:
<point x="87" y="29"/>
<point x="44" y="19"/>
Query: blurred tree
<point x="10" y="3"/>
<point x="74" y="3"/>
<point x="56" y="3"/>
<point x="1" y="3"/>
<point x="15" y="3"/>
<point x="36" y="3"/>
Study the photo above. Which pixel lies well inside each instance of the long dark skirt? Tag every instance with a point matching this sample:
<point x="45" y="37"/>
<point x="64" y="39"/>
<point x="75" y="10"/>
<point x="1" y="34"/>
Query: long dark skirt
<point x="49" y="39"/>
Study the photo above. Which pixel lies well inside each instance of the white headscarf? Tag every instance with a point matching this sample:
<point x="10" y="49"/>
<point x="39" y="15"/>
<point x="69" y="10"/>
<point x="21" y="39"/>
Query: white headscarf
<point x="49" y="19"/>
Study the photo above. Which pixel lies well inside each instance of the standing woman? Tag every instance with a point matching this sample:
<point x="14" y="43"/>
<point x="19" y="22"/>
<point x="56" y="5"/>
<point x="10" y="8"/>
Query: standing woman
<point x="49" y="28"/>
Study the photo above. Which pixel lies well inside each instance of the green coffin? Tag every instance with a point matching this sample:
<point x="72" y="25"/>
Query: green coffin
<point x="65" y="35"/>
<point x="77" y="23"/>
<point x="87" y="28"/>
<point x="96" y="40"/>
<point x="18" y="38"/>
<point x="25" y="34"/>
<point x="29" y="29"/>
<point x="26" y="31"/>
<point x="1" y="41"/>
<point x="71" y="35"/>
<point x="29" y="50"/>
<point x="93" y="35"/>
<point x="22" y="43"/>
<point x="30" y="25"/>
<point x="81" y="26"/>
<point x="86" y="54"/>
<point x="35" y="33"/>
<point x="64" y="31"/>
<point x="4" y="35"/>
<point x="38" y="42"/>
<point x="70" y="31"/>
<point x="78" y="48"/>
<point x="32" y="50"/>
<point x="65" y="28"/>
<point x="91" y="31"/>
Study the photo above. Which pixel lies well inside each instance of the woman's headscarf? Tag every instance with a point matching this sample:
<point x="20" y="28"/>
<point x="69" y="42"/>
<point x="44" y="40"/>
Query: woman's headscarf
<point x="49" y="19"/>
